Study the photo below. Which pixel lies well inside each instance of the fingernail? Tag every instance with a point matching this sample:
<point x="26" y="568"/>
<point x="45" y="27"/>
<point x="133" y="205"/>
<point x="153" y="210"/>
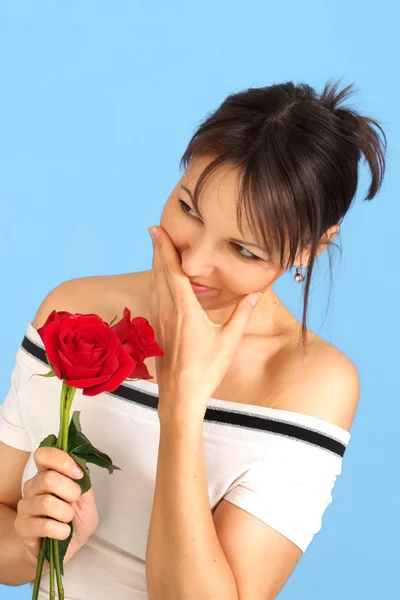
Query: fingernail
<point x="153" y="231"/>
<point x="255" y="298"/>
<point x="77" y="472"/>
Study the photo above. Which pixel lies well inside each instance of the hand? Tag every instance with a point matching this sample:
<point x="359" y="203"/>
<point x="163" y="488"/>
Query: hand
<point x="53" y="493"/>
<point x="197" y="352"/>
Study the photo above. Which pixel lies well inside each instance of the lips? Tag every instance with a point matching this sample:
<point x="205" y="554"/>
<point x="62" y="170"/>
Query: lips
<point x="201" y="285"/>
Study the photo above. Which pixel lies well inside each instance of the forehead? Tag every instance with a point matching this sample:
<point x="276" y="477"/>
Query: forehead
<point x="218" y="203"/>
<point x="220" y="190"/>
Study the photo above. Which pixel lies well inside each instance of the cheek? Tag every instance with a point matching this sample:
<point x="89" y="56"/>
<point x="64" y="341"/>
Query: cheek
<point x="171" y="220"/>
<point x="242" y="281"/>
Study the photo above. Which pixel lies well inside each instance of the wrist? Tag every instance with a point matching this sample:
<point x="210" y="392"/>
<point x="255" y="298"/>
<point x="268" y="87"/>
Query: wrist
<point x="176" y="409"/>
<point x="180" y="427"/>
<point x="30" y="559"/>
<point x="30" y="562"/>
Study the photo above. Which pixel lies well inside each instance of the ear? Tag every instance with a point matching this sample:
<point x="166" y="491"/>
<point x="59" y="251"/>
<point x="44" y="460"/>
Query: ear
<point x="325" y="240"/>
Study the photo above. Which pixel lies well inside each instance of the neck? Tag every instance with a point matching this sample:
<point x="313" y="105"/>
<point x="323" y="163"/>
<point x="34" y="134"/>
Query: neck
<point x="269" y="318"/>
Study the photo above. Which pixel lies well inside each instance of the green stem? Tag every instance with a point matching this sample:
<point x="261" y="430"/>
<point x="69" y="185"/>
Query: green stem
<point x="63" y="402"/>
<point x="39" y="569"/>
<point x="58" y="571"/>
<point x="52" y="589"/>
<point x="67" y="396"/>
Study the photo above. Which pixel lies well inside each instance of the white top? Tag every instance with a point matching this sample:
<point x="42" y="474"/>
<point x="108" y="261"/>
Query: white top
<point x="277" y="465"/>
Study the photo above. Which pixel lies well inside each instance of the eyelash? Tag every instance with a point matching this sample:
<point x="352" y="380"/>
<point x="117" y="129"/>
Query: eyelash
<point x="253" y="257"/>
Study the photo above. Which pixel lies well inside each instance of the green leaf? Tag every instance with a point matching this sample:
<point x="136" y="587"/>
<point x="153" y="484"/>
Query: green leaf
<point x="49" y="374"/>
<point x="50" y="441"/>
<point x="102" y="460"/>
<point x="82" y="451"/>
<point x="62" y="547"/>
<point x="47" y="547"/>
<point x="73" y="430"/>
<point x="113" y="320"/>
<point x="84" y="483"/>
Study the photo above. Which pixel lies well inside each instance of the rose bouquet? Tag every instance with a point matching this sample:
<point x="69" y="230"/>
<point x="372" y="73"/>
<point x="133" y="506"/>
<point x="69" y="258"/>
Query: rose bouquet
<point x="87" y="353"/>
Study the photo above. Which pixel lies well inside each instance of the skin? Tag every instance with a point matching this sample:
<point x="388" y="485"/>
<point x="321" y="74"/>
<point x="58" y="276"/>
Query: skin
<point x="210" y="258"/>
<point x="268" y="359"/>
<point x="268" y="367"/>
<point x="202" y="249"/>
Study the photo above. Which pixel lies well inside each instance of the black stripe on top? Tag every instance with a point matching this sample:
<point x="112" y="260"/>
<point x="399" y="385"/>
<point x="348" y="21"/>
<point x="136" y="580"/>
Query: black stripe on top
<point x="218" y="415"/>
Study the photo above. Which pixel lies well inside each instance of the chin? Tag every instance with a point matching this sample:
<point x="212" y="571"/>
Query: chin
<point x="216" y="301"/>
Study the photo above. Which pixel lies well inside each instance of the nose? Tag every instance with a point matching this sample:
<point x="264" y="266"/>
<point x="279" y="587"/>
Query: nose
<point x="197" y="261"/>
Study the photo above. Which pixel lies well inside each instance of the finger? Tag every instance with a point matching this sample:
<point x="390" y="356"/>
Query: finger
<point x="55" y="483"/>
<point x="58" y="460"/>
<point x="47" y="505"/>
<point x="176" y="279"/>
<point x="234" y="328"/>
<point x="160" y="283"/>
<point x="40" y="528"/>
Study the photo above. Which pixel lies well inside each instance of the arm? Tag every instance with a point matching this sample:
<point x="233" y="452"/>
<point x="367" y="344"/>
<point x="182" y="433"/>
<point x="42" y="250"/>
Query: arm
<point x="17" y="565"/>
<point x="188" y="548"/>
<point x="192" y="554"/>
<point x="184" y="558"/>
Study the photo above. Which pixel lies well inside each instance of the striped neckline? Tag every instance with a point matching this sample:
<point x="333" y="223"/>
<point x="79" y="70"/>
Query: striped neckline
<point x="290" y="424"/>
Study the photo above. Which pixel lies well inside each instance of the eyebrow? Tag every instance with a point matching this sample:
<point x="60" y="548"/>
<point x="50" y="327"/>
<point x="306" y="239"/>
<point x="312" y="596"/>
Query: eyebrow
<point x="233" y="239"/>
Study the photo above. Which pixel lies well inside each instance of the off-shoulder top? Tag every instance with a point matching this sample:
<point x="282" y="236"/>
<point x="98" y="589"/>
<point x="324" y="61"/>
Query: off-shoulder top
<point x="278" y="465"/>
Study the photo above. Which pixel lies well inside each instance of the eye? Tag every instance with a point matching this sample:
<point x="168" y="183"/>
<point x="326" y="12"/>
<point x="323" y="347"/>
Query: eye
<point x="250" y="255"/>
<point x="238" y="249"/>
<point x="184" y="206"/>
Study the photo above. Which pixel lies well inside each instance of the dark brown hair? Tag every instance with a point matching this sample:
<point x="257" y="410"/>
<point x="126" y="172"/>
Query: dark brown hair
<point x="297" y="155"/>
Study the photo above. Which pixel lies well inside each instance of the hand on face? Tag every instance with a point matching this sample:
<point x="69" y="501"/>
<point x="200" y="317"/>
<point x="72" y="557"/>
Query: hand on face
<point x="197" y="352"/>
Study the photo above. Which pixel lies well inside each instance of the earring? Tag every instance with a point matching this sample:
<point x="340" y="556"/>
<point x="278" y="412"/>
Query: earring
<point x="299" y="277"/>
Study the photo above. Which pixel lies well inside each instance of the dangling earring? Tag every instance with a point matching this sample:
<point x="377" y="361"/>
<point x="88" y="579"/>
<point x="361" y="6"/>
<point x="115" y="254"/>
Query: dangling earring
<point x="299" y="277"/>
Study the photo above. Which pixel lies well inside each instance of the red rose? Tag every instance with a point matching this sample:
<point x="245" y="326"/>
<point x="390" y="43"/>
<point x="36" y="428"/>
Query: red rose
<point x="137" y="337"/>
<point x="85" y="352"/>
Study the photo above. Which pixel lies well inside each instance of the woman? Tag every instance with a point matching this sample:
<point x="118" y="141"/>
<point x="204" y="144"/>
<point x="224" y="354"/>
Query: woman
<point x="248" y="412"/>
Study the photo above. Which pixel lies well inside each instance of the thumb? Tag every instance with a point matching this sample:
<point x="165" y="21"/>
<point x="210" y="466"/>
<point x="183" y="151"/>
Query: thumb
<point x="236" y="324"/>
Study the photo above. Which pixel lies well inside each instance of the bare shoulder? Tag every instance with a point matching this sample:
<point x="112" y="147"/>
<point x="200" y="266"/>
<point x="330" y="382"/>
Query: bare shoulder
<point x="105" y="295"/>
<point x="324" y="384"/>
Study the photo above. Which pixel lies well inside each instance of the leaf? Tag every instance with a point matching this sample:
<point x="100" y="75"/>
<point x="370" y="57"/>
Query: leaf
<point x="82" y="451"/>
<point x="62" y="547"/>
<point x="102" y="460"/>
<point x="113" y="320"/>
<point x="50" y="441"/>
<point x="73" y="430"/>
<point x="49" y="374"/>
<point x="84" y="483"/>
<point x="47" y="548"/>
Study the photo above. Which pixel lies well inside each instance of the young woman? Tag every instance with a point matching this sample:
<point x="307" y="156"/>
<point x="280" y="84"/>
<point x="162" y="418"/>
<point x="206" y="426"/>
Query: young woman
<point x="229" y="454"/>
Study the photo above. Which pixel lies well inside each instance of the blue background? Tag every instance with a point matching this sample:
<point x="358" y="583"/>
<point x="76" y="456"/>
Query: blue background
<point x="98" y="101"/>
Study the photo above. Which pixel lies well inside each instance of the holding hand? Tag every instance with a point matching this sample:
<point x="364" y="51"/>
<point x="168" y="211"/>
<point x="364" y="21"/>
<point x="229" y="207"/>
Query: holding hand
<point x="53" y="493"/>
<point x="197" y="352"/>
